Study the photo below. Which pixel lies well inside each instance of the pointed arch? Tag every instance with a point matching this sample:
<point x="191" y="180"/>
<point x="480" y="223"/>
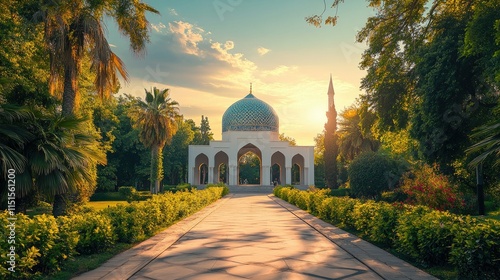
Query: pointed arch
<point x="298" y="163"/>
<point x="249" y="149"/>
<point x="221" y="163"/>
<point x="201" y="169"/>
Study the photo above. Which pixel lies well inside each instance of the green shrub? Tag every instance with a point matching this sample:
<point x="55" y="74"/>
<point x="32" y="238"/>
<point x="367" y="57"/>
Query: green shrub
<point x="40" y="246"/>
<point x="108" y="196"/>
<point x="94" y="230"/>
<point x="476" y="249"/>
<point x="376" y="220"/>
<point x="371" y="173"/>
<point x="225" y="189"/>
<point x="130" y="193"/>
<point x="340" y="192"/>
<point x="426" y="235"/>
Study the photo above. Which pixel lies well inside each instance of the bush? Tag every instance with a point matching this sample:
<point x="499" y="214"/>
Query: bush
<point x="130" y="193"/>
<point x="425" y="186"/>
<point x="40" y="246"/>
<point x="108" y="196"/>
<point x="476" y="249"/>
<point x="225" y="189"/>
<point x="340" y="192"/>
<point x="428" y="236"/>
<point x="377" y="221"/>
<point x="371" y="173"/>
<point x="43" y="243"/>
<point x="94" y="230"/>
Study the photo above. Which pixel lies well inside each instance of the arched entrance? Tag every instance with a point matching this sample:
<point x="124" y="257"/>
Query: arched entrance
<point x="221" y="171"/>
<point x="249" y="165"/>
<point x="278" y="168"/>
<point x="201" y="169"/>
<point x="298" y="170"/>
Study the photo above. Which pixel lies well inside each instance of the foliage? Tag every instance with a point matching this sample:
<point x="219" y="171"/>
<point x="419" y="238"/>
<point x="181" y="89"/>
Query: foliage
<point x="425" y="235"/>
<point x="175" y="154"/>
<point x="375" y="220"/>
<point x="355" y="136"/>
<point x="136" y="221"/>
<point x="430" y="237"/>
<point x="372" y="173"/>
<point x="319" y="160"/>
<point x="44" y="243"/>
<point x="225" y="189"/>
<point x="205" y="134"/>
<point x="129" y="192"/>
<point x="340" y="192"/>
<point x="41" y="246"/>
<point x="155" y="118"/>
<point x="476" y="249"/>
<point x="426" y="186"/>
<point x="249" y="168"/>
<point x="291" y="141"/>
<point x="94" y="231"/>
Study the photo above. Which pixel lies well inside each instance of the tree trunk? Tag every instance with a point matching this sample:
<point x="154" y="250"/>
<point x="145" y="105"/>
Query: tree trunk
<point x="68" y="109"/>
<point x="156" y="168"/>
<point x="60" y="205"/>
<point x="152" y="176"/>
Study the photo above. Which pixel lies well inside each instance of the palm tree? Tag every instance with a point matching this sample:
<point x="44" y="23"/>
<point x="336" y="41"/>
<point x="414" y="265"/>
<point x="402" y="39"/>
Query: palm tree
<point x="74" y="29"/>
<point x="489" y="145"/>
<point x="48" y="153"/>
<point x="352" y="139"/>
<point x="155" y="119"/>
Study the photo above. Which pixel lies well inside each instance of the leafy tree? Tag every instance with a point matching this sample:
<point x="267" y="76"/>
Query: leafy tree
<point x="432" y="69"/>
<point x="155" y="118"/>
<point x="132" y="162"/>
<point x="488" y="146"/>
<point x="206" y="133"/>
<point x="352" y="139"/>
<point x="288" y="139"/>
<point x="319" y="160"/>
<point x="23" y="62"/>
<point x="74" y="29"/>
<point x="176" y="153"/>
<point x="249" y="168"/>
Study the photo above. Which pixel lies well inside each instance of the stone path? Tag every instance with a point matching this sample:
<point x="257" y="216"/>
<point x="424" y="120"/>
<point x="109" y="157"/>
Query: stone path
<point x="254" y="236"/>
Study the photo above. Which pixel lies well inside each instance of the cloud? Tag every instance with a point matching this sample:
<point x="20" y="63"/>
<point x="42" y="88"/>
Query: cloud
<point x="158" y="27"/>
<point x="262" y="51"/>
<point x="187" y="36"/>
<point x="279" y="70"/>
<point x="173" y="12"/>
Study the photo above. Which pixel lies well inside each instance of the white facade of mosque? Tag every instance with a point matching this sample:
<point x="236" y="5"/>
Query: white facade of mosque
<point x="250" y="125"/>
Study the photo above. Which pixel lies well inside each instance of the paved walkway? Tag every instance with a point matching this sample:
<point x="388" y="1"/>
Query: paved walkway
<point x="254" y="236"/>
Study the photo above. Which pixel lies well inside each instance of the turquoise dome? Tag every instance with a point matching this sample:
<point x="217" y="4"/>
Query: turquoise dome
<point x="250" y="114"/>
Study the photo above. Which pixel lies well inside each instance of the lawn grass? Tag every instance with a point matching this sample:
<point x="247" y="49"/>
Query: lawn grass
<point x="495" y="215"/>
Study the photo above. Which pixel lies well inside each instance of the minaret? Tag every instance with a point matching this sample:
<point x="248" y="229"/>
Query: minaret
<point x="331" y="149"/>
<point x="331" y="94"/>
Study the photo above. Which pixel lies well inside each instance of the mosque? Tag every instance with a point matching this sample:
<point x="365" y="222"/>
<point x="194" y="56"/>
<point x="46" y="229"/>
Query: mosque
<point x="250" y="125"/>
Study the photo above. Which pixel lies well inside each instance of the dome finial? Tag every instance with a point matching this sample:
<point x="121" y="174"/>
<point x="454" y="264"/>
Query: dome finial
<point x="250" y="87"/>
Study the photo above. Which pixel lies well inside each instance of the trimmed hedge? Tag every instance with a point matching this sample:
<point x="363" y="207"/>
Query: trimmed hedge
<point x="43" y="243"/>
<point x="430" y="237"/>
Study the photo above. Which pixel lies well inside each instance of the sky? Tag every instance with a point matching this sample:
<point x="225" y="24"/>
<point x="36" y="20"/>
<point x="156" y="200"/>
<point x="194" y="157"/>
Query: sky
<point x="208" y="52"/>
